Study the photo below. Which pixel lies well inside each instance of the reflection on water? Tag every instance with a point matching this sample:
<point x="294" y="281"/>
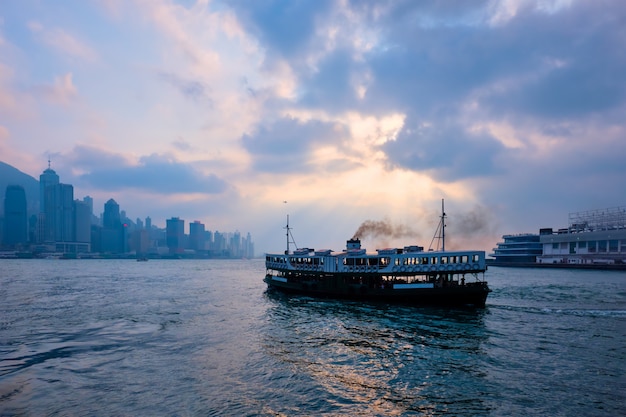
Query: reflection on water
<point x="380" y="358"/>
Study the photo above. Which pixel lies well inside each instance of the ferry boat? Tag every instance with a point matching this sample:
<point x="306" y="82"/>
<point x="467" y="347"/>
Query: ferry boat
<point x="404" y="275"/>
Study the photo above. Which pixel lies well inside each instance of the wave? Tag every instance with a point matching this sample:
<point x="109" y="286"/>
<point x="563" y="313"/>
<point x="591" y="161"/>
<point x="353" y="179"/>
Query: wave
<point x="619" y="313"/>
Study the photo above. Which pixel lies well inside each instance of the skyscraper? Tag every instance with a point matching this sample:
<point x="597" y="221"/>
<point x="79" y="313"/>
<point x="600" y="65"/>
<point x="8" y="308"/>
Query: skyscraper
<point x="175" y="235"/>
<point x="59" y="213"/>
<point x="113" y="238"/>
<point x="196" y="236"/>
<point x="48" y="177"/>
<point x="15" y="218"/>
<point x="82" y="222"/>
<point x="111" y="218"/>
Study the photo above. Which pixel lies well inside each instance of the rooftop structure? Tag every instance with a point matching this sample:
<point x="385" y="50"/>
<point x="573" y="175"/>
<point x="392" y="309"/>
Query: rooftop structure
<point x="593" y="220"/>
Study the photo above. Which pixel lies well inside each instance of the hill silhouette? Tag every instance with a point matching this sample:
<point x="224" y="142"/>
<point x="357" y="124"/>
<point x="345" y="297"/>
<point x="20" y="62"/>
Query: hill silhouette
<point x="10" y="175"/>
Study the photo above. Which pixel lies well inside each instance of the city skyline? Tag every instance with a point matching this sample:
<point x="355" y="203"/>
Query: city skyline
<point x="60" y="223"/>
<point x="220" y="111"/>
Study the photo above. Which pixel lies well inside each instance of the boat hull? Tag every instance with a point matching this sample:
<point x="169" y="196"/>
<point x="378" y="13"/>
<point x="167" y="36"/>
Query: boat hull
<point x="444" y="294"/>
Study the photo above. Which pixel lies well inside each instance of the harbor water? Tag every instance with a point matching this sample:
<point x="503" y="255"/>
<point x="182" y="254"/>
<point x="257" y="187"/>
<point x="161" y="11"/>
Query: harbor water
<point x="205" y="338"/>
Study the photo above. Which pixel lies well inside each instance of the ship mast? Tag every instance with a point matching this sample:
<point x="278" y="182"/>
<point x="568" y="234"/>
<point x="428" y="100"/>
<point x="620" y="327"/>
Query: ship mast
<point x="289" y="235"/>
<point x="443" y="228"/>
<point x="440" y="232"/>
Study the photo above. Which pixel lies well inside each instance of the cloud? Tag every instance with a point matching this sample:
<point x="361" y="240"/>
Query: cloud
<point x="285" y="26"/>
<point x="447" y="152"/>
<point x="157" y="174"/>
<point x="62" y="91"/>
<point x="286" y="145"/>
<point x="63" y="42"/>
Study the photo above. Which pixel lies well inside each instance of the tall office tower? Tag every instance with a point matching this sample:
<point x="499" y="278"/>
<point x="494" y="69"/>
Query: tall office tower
<point x="82" y="222"/>
<point x="15" y="219"/>
<point x="48" y="177"/>
<point x="175" y="235"/>
<point x="219" y="242"/>
<point x="113" y="239"/>
<point x="235" y="245"/>
<point x="111" y="218"/>
<point x="59" y="214"/>
<point x="89" y="201"/>
<point x="148" y="223"/>
<point x="196" y="235"/>
<point x="248" y="247"/>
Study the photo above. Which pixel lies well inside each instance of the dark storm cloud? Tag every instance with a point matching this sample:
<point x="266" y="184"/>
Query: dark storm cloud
<point x="578" y="58"/>
<point x="286" y="26"/>
<point x="285" y="145"/>
<point x="155" y="173"/>
<point x="330" y="87"/>
<point x="447" y="152"/>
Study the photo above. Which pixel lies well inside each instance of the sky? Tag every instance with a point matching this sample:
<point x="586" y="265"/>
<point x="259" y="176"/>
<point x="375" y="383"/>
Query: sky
<point x="334" y="112"/>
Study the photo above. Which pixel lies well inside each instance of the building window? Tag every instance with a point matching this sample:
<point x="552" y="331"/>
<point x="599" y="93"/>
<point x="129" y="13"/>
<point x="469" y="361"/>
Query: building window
<point x="602" y="246"/>
<point x="592" y="246"/>
<point x="613" y="245"/>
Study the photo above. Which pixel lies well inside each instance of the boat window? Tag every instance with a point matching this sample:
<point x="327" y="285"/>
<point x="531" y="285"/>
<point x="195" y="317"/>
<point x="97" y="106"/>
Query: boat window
<point x="475" y="257"/>
<point x="424" y="261"/>
<point x="444" y="259"/>
<point x="434" y="260"/>
<point x="464" y="259"/>
<point x="372" y="261"/>
<point x="454" y="259"/>
<point x="397" y="261"/>
<point x="384" y="261"/>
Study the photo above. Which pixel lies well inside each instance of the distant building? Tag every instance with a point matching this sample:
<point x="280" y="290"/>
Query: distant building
<point x="15" y="230"/>
<point x="47" y="178"/>
<point x="175" y="235"/>
<point x="516" y="249"/>
<point x="59" y="213"/>
<point x="112" y="234"/>
<point x="111" y="218"/>
<point x="595" y="237"/>
<point x="82" y="222"/>
<point x="592" y="237"/>
<point x="196" y="236"/>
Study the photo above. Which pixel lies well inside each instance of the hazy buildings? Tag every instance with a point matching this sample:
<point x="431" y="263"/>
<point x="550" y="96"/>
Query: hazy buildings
<point x="15" y="221"/>
<point x="68" y="226"/>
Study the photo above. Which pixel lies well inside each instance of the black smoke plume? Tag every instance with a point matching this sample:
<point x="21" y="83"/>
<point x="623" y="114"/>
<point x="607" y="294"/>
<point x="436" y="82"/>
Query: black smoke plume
<point x="383" y="228"/>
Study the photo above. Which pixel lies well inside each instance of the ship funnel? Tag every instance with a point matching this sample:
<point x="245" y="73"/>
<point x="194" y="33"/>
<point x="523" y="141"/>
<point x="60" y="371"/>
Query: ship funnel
<point x="353" y="244"/>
